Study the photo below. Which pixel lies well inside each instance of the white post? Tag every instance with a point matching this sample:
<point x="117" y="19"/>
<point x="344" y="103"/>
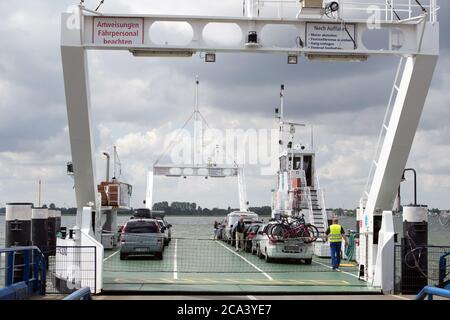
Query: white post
<point x="397" y="144"/>
<point x="75" y="69"/>
<point x="384" y="268"/>
<point x="149" y="193"/>
<point x="251" y="8"/>
<point x="197" y="157"/>
<point x="242" y="191"/>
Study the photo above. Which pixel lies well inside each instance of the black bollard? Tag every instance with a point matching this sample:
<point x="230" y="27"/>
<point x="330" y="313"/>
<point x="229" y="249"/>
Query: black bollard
<point x="18" y="234"/>
<point x="51" y="233"/>
<point x="414" y="249"/>
<point x="39" y="229"/>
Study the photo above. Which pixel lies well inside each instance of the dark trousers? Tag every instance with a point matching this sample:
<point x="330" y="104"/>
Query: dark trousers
<point x="335" y="250"/>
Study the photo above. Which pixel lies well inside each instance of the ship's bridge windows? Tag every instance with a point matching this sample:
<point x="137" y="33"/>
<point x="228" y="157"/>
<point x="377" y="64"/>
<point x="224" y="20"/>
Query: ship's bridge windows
<point x="297" y="163"/>
<point x="307" y="167"/>
<point x="283" y="165"/>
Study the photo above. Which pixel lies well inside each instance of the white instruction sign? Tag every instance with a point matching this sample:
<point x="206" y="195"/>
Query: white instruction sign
<point x="330" y="36"/>
<point x="118" y="31"/>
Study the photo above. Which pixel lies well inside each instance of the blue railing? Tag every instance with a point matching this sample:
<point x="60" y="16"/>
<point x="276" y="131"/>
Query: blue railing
<point x="443" y="290"/>
<point x="432" y="291"/>
<point x="24" y="270"/>
<point x="443" y="274"/>
<point x="82" y="294"/>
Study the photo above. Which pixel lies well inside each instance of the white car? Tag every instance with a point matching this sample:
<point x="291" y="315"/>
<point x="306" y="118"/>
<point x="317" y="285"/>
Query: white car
<point x="232" y="219"/>
<point x="166" y="228"/>
<point x="272" y="247"/>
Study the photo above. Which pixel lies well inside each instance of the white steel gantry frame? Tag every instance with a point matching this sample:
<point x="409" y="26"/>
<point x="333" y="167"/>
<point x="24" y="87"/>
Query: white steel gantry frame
<point x="415" y="37"/>
<point x="198" y="167"/>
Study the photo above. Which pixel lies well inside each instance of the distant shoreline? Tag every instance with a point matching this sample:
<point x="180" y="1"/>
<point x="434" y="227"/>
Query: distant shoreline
<point x="167" y="215"/>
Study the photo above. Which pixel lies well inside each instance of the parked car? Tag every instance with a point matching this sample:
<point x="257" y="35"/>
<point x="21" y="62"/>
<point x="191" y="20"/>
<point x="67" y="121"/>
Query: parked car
<point x="251" y="233"/>
<point x="258" y="237"/>
<point x="166" y="227"/>
<point x="142" y="237"/>
<point x="271" y="245"/>
<point x="231" y="221"/>
<point x="247" y="224"/>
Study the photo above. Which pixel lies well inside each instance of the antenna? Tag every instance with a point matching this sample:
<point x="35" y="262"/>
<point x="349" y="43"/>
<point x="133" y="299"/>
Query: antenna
<point x="99" y="5"/>
<point x="197" y="155"/>
<point x="197" y="83"/>
<point x="40" y="192"/>
<point x="114" y="165"/>
<point x="282" y="102"/>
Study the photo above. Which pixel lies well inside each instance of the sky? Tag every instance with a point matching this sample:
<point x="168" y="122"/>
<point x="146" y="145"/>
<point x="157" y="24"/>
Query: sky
<point x="138" y="102"/>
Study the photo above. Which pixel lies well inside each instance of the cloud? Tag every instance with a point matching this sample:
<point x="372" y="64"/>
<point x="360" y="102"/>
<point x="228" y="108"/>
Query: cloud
<point x="137" y="103"/>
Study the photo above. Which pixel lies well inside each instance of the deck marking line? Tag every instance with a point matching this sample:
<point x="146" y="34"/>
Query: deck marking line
<point x="399" y="297"/>
<point x="110" y="256"/>
<point x="252" y="298"/>
<point x="350" y="274"/>
<point x="175" y="265"/>
<point x="235" y="253"/>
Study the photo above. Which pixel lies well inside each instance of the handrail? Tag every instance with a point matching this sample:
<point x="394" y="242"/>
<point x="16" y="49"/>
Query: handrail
<point x="432" y="291"/>
<point x="81" y="294"/>
<point x="443" y="270"/>
<point x="322" y="204"/>
<point x="34" y="267"/>
<point x="13" y="249"/>
<point x="384" y="128"/>
<point x="388" y="8"/>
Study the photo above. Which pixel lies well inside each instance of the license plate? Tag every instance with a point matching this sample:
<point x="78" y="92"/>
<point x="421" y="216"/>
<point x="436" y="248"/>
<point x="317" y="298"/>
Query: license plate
<point x="292" y="249"/>
<point x="141" y="249"/>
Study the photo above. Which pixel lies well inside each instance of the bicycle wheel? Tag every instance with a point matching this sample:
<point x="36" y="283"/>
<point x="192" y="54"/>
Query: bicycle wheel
<point x="314" y="232"/>
<point x="309" y="234"/>
<point x="279" y="231"/>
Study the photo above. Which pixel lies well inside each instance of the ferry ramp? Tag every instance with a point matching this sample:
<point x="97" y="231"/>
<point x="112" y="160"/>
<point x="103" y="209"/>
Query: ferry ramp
<point x="212" y="266"/>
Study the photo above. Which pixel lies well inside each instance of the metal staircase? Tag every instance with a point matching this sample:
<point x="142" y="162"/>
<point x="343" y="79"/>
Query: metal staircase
<point x="313" y="200"/>
<point x="316" y="215"/>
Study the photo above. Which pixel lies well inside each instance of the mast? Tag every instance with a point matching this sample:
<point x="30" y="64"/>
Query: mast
<point x="198" y="129"/>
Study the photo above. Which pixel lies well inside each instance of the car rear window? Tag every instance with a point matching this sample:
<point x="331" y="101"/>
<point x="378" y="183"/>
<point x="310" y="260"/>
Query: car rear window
<point x="145" y="213"/>
<point x="141" y="227"/>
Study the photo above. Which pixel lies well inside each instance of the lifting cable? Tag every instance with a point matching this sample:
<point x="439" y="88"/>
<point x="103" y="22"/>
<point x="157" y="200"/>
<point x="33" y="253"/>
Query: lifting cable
<point x="393" y="9"/>
<point x="172" y="143"/>
<point x="416" y="259"/>
<point x="170" y="146"/>
<point x="446" y="223"/>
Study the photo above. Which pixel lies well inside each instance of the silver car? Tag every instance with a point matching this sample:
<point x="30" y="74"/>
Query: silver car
<point x="270" y="245"/>
<point x="142" y="237"/>
<point x="166" y="227"/>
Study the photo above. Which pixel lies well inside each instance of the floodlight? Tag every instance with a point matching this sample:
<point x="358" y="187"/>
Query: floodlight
<point x="210" y="57"/>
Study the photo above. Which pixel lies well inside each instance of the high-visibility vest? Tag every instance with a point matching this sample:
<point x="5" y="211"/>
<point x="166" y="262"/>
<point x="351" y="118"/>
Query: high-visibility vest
<point x="335" y="233"/>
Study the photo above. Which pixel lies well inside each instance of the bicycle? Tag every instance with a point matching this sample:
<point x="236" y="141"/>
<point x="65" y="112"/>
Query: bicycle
<point x="298" y="228"/>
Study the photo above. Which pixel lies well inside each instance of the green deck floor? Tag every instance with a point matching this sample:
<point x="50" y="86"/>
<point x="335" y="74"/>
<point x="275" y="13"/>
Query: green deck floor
<point x="214" y="267"/>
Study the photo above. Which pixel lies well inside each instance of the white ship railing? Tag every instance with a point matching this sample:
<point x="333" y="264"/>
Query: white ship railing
<point x="310" y="206"/>
<point x="322" y="204"/>
<point x="389" y="10"/>
<point x="383" y="130"/>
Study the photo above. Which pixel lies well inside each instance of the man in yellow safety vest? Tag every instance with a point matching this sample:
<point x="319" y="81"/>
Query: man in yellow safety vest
<point x="335" y="234"/>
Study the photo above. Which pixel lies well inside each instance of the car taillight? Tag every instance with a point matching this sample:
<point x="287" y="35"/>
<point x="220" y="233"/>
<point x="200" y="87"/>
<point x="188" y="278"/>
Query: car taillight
<point x="124" y="229"/>
<point x="272" y="240"/>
